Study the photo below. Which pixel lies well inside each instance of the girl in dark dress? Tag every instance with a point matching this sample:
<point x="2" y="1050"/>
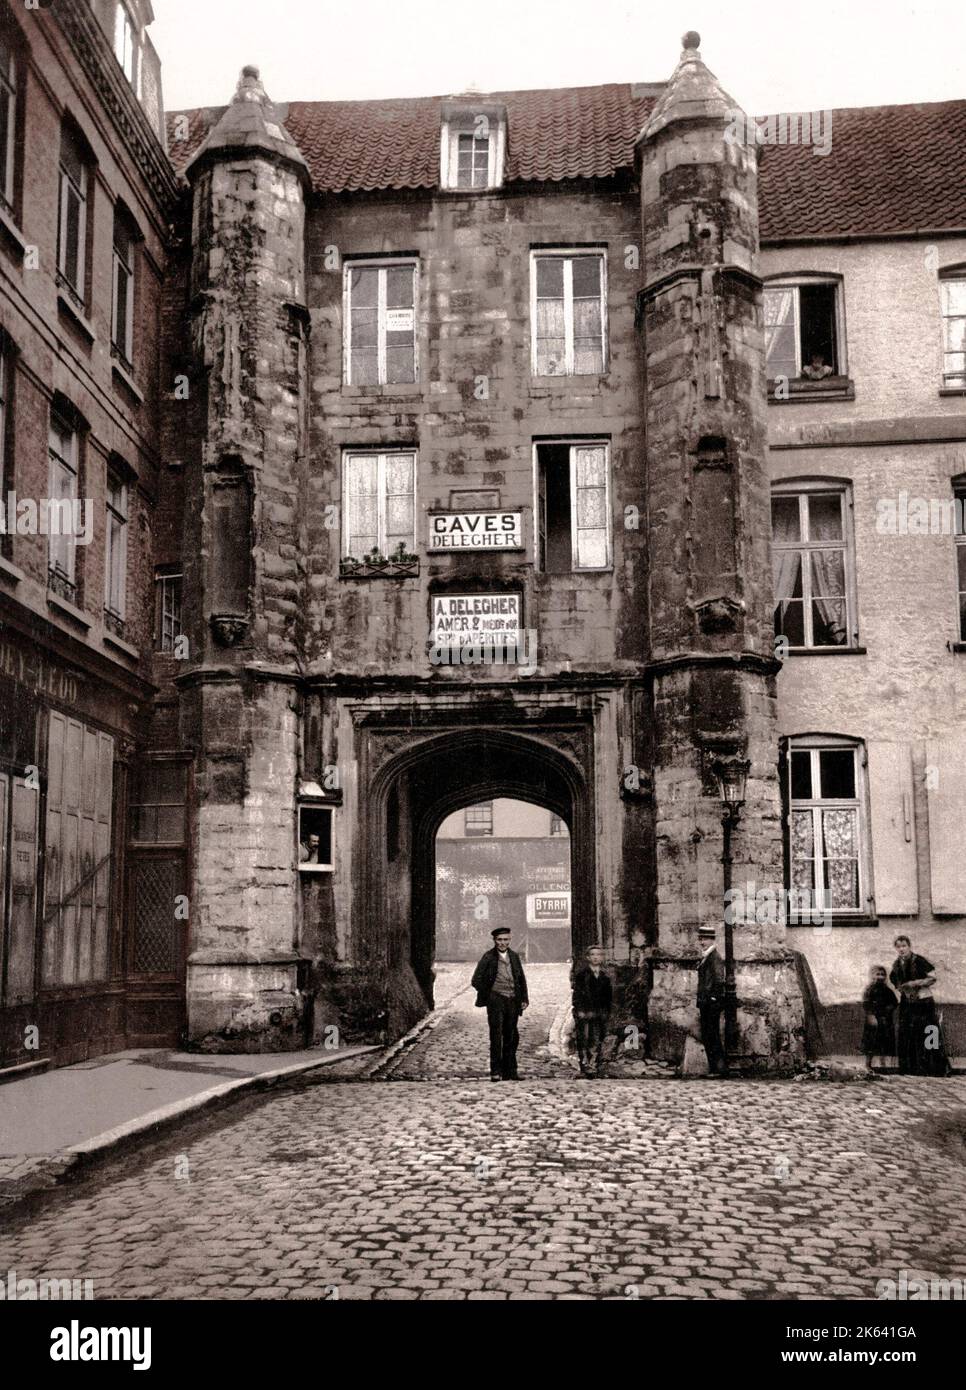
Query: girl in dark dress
<point x="879" y="1033"/>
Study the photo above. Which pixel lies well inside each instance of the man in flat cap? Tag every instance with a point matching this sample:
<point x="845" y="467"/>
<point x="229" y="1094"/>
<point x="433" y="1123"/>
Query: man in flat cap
<point x="501" y="989"/>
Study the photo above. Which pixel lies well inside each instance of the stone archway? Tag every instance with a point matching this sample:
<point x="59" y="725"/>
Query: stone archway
<point x="409" y="799"/>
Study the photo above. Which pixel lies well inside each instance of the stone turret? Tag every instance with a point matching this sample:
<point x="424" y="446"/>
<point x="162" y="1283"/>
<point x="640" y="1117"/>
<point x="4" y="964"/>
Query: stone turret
<point x="242" y="575"/>
<point x="711" y="636"/>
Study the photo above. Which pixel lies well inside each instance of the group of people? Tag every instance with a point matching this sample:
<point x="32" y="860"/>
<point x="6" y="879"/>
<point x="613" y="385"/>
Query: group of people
<point x="501" y="989"/>
<point x="900" y="1018"/>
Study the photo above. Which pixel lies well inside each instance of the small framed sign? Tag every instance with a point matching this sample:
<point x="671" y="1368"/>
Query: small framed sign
<point x="475" y="531"/>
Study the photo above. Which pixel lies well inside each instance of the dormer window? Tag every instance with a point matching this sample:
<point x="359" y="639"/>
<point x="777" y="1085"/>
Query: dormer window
<point x="472" y="145"/>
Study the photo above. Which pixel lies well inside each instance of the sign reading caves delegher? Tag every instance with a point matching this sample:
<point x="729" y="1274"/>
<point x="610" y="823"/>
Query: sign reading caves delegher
<point x="476" y="620"/>
<point x="476" y="531"/>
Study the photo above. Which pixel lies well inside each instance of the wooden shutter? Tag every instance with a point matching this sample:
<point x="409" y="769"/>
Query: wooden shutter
<point x="893" y="826"/>
<point x="946" y="790"/>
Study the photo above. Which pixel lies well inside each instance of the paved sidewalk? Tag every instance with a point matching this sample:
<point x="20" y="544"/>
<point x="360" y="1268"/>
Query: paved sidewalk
<point x="58" y="1119"/>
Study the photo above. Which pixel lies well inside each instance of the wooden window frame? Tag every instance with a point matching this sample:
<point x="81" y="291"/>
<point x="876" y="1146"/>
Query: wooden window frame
<point x="381" y="455"/>
<point x="115" y="559"/>
<point x="951" y="381"/>
<point x="71" y="465"/>
<point x="161" y="577"/>
<point x="804" y="489"/>
<point x="538" y="501"/>
<point x="67" y="185"/>
<point x="383" y="265"/>
<point x="796" y="283"/>
<point x="815" y="745"/>
<point x="568" y="255"/>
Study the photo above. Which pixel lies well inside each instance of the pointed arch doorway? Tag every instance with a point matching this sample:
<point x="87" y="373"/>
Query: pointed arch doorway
<point x="412" y="796"/>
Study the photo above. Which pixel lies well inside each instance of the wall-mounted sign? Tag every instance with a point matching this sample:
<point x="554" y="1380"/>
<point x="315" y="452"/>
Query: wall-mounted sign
<point x="476" y="620"/>
<point x="400" y="320"/>
<point x="476" y="531"/>
<point x="549" y="909"/>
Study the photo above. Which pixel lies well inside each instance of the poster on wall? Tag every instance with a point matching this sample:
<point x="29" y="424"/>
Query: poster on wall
<point x="549" y="909"/>
<point x="476" y="620"/>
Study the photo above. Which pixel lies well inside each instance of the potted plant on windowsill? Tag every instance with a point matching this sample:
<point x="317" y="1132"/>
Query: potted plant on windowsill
<point x="349" y="567"/>
<point x="403" y="563"/>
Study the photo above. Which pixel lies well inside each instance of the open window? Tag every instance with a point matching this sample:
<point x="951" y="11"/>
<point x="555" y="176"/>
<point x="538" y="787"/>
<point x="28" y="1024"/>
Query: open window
<point x="573" y="507"/>
<point x="804" y="337"/>
<point x="315" y="839"/>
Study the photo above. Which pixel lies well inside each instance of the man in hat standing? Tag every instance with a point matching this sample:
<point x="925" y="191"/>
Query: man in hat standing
<point x="501" y="989"/>
<point x="711" y="998"/>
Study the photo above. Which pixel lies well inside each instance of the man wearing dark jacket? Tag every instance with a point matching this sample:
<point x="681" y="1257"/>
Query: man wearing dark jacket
<point x="501" y="989"/>
<point x="592" y="997"/>
<point x="711" y="982"/>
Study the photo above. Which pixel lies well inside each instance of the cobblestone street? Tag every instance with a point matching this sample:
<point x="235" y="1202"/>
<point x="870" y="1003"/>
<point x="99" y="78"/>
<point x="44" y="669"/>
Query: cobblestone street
<point x="551" y="1188"/>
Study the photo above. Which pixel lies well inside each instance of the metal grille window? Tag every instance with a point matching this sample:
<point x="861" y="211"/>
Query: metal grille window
<point x="827" y="833"/>
<point x="61" y="542"/>
<point x="953" y="294"/>
<point x="77" y="886"/>
<point x="478" y="820"/>
<point x="568" y="314"/>
<point x="813" y="568"/>
<point x="72" y="233"/>
<point x="380" y="319"/>
<point x="379" y="504"/>
<point x="473" y="161"/>
<point x="122" y="317"/>
<point x="115" y="559"/>
<point x="8" y="122"/>
<point x="158" y="804"/>
<point x="168" y="589"/>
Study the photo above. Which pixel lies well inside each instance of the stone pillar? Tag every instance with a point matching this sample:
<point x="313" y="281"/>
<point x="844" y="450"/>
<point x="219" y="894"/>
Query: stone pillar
<point x="239" y="704"/>
<point x="711" y="657"/>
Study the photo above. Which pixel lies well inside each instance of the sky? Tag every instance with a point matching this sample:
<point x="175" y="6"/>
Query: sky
<point x="804" y="56"/>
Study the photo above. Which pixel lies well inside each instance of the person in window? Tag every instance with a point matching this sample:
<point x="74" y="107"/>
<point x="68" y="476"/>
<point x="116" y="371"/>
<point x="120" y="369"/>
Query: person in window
<point x="879" y="1032"/>
<point x="818" y="369"/>
<point x="592" y="997"/>
<point x="919" y="1040"/>
<point x="501" y="989"/>
<point x="309" y="850"/>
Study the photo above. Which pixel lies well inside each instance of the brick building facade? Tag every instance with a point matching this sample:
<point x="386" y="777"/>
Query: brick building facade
<point x="451" y="482"/>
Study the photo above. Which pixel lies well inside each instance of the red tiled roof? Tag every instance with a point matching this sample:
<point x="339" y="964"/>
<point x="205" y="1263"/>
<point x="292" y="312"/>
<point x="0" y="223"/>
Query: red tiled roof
<point x="890" y="169"/>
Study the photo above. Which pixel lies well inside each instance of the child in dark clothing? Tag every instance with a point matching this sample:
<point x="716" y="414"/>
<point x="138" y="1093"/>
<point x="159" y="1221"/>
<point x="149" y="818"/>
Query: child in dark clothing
<point x="879" y="1033"/>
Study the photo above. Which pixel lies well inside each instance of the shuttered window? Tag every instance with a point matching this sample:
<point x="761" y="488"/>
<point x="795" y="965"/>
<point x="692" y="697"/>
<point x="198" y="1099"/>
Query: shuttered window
<point x="80" y="794"/>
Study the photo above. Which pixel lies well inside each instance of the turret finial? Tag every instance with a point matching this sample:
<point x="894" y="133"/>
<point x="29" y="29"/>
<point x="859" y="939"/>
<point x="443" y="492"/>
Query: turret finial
<point x="692" y="39"/>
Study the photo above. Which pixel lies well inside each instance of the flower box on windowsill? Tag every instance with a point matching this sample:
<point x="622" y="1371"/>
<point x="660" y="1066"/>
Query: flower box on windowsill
<point x="800" y="388"/>
<point x="402" y="567"/>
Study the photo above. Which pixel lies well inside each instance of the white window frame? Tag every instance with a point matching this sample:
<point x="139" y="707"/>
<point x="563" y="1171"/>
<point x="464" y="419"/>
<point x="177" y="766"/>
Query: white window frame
<point x="316" y="868"/>
<point x="574" y="445"/>
<point x="858" y="803"/>
<point x="67" y="184"/>
<point x="122" y="335"/>
<point x="382" y="455"/>
<point x="69" y="464"/>
<point x="166" y="611"/>
<point x="126" y="44"/>
<point x="482" y="826"/>
<point x="795" y="283"/>
<point x="382" y="264"/>
<point x="568" y="255"/>
<point x="451" y="130"/>
<point x="952" y="381"/>
<point x="8" y="93"/>
<point x="115" y="555"/>
<point x="802" y="490"/>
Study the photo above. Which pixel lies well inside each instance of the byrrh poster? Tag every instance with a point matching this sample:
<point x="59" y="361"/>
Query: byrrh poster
<point x="476" y="620"/>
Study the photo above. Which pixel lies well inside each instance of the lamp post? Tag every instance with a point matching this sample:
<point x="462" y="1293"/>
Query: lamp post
<point x="731" y="774"/>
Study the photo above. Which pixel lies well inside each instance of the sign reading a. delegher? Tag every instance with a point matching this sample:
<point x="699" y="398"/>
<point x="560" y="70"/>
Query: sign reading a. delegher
<point x="479" y="620"/>
<point x="476" y="531"/>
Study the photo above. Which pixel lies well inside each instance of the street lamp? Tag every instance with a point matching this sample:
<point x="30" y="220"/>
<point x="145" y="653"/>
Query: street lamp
<point x="731" y="774"/>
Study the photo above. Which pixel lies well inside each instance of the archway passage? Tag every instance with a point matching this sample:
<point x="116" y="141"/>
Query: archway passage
<point x="440" y="775"/>
<point x="503" y="864"/>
